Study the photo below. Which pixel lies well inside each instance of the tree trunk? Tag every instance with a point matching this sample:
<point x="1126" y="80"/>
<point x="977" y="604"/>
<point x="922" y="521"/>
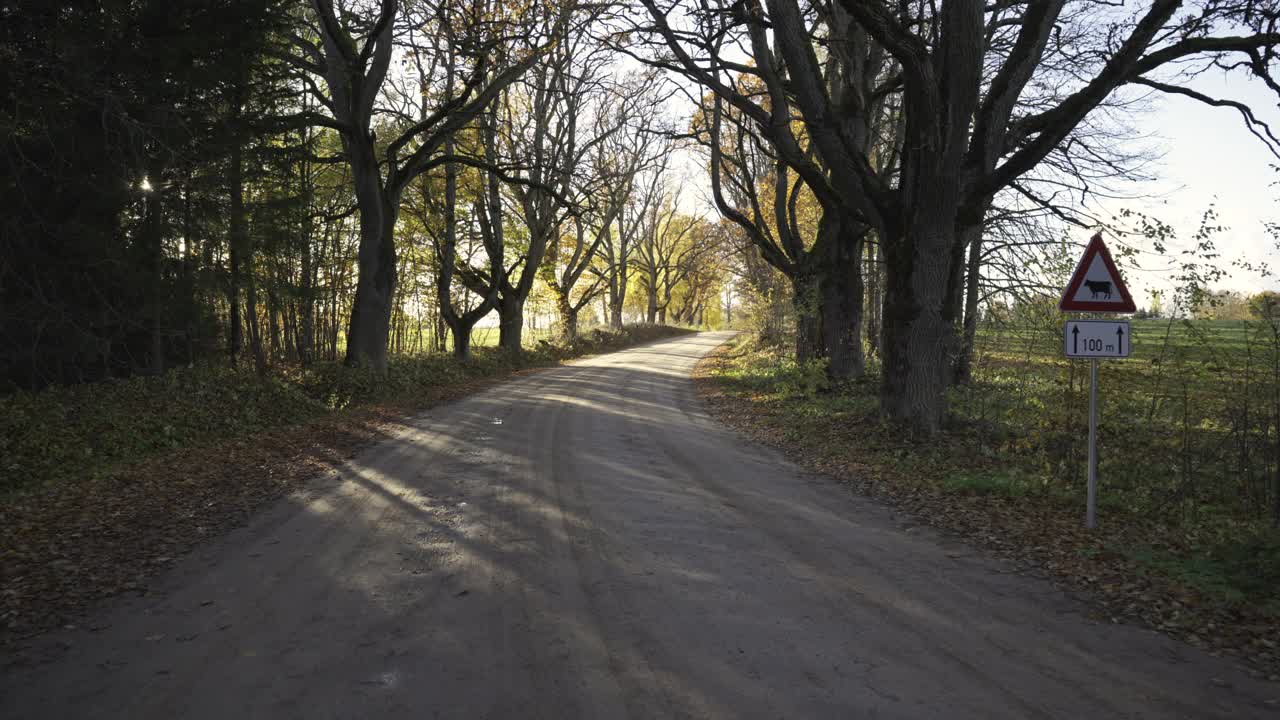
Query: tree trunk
<point x="973" y="276"/>
<point x="305" y="340"/>
<point x="651" y="290"/>
<point x="370" y="324"/>
<point x="511" y="324"/>
<point x="775" y="314"/>
<point x="615" y="314"/>
<point x="251" y="312"/>
<point x="273" y="321"/>
<point x="460" y="329"/>
<point x="614" y="300"/>
<point x="242" y="243"/>
<point x="804" y="300"/>
<point x="568" y="316"/>
<point x="874" y="298"/>
<point x="153" y="228"/>
<point x="235" y="337"/>
<point x="306" y="334"/>
<point x="918" y="338"/>
<point x="460" y="324"/>
<point x="289" y="316"/>
<point x="237" y="228"/>
<point x="461" y="340"/>
<point x="618" y="276"/>
<point x="921" y="248"/>
<point x="190" y="269"/>
<point x="842" y="298"/>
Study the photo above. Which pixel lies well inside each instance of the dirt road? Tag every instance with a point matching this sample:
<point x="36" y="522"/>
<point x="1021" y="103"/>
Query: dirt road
<point x="585" y="543"/>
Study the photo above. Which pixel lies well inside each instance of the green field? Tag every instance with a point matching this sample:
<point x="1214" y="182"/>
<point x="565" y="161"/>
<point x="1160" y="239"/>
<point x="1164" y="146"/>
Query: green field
<point x="1188" y="422"/>
<point x="1189" y="440"/>
<point x="1198" y="340"/>
<point x="488" y="336"/>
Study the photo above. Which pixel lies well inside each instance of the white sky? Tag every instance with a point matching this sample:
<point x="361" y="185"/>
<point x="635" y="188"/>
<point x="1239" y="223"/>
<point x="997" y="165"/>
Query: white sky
<point x="1211" y="158"/>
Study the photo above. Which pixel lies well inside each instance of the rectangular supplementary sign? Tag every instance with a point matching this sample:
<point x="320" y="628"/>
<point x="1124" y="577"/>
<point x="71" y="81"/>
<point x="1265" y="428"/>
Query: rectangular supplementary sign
<point x="1097" y="338"/>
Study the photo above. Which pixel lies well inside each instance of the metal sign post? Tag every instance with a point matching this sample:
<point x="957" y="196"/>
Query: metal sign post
<point x="1091" y="510"/>
<point x="1095" y="339"/>
<point x="1096" y="286"/>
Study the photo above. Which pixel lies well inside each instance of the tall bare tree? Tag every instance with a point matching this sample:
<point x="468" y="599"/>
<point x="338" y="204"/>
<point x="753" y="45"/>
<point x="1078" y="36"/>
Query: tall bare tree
<point x="967" y="133"/>
<point x="644" y="192"/>
<point x="761" y="100"/>
<point x="350" y="46"/>
<point x="626" y="140"/>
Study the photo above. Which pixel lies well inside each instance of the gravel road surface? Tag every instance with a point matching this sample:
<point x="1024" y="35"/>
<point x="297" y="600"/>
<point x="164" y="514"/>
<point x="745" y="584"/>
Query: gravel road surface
<point x="585" y="542"/>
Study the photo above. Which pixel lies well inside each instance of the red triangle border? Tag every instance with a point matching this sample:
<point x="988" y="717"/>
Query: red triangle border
<point x="1123" y="305"/>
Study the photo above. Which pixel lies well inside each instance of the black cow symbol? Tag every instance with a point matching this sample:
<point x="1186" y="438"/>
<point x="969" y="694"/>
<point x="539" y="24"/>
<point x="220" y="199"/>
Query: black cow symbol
<point x="1099" y="287"/>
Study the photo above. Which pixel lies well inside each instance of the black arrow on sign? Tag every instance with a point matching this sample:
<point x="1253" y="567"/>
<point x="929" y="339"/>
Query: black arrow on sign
<point x="1120" y="338"/>
<point x="1075" y="339"/>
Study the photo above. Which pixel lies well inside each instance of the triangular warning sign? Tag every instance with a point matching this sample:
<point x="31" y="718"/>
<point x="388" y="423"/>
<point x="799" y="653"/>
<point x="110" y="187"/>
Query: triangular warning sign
<point x="1096" y="285"/>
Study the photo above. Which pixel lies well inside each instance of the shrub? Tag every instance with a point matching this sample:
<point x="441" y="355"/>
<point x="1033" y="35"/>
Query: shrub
<point x="63" y="432"/>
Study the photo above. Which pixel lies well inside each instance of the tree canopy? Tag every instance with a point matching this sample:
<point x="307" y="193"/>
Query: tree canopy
<point x="289" y="181"/>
